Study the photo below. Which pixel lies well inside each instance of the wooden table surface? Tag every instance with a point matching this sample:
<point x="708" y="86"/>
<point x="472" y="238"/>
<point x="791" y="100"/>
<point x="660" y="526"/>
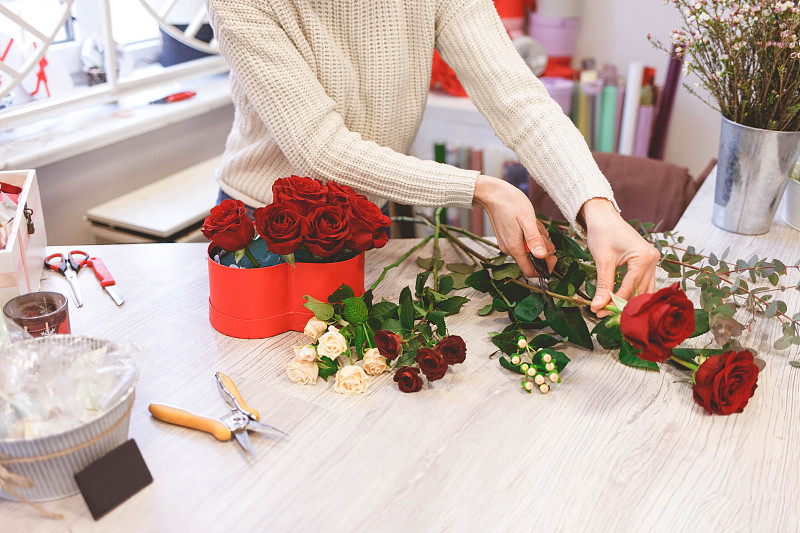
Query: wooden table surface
<point x="609" y="449"/>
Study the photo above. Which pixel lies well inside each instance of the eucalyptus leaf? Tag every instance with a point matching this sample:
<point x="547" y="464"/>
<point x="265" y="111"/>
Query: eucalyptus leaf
<point x="782" y="343"/>
<point x="795" y="364"/>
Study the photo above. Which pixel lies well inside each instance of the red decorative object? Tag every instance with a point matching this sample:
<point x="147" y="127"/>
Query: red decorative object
<point x="445" y="77"/>
<point x="253" y="303"/>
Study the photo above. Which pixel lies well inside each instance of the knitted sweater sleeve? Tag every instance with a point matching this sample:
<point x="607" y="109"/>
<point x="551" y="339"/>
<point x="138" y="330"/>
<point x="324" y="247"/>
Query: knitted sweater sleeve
<point x="471" y="38"/>
<point x="289" y="99"/>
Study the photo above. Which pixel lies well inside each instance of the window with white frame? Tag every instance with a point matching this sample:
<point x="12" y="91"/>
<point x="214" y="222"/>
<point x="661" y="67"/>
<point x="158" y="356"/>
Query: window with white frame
<point x="56" y="54"/>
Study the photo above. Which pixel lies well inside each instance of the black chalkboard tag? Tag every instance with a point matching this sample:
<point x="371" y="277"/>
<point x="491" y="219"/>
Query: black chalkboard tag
<point x="113" y="478"/>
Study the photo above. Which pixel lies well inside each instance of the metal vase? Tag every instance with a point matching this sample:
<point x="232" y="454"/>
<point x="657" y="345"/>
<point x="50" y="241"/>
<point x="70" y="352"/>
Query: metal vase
<point x="752" y="172"/>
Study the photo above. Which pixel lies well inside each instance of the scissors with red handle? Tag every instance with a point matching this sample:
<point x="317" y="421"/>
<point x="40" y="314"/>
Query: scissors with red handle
<point x="100" y="272"/>
<point x="69" y="267"/>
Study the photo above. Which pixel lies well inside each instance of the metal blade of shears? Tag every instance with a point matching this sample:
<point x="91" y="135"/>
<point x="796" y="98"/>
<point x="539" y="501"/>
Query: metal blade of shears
<point x="244" y="441"/>
<point x="266" y="428"/>
<point x="544" y="279"/>
<point x="73" y="284"/>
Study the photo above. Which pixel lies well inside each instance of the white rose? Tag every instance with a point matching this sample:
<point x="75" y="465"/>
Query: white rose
<point x="331" y="344"/>
<point x="315" y="328"/>
<point x="374" y="362"/>
<point x="304" y="372"/>
<point x="351" y="379"/>
<point x="307" y="352"/>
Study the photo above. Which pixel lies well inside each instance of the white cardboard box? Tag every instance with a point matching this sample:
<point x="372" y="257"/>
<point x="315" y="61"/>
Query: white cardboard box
<point x="22" y="259"/>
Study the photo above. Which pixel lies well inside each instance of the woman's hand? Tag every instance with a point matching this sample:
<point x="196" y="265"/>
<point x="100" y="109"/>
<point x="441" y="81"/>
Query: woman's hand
<point x="514" y="223"/>
<point x="613" y="242"/>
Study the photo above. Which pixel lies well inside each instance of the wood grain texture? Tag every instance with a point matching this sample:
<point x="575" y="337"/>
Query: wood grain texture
<point x="610" y="449"/>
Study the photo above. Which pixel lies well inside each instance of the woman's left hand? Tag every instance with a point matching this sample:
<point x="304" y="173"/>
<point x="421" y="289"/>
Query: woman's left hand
<point x="612" y="243"/>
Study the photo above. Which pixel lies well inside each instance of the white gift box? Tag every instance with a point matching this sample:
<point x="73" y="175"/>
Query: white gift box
<point x="22" y="259"/>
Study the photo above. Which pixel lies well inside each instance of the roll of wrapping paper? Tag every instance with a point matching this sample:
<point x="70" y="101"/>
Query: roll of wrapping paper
<point x="620" y="105"/>
<point x="644" y="122"/>
<point x="608" y="119"/>
<point x="594" y="89"/>
<point x="666" y="100"/>
<point x="584" y="115"/>
<point x="630" y="111"/>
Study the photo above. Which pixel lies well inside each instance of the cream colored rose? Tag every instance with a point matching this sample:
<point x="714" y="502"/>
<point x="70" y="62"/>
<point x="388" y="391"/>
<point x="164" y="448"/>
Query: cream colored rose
<point x="351" y="379"/>
<point x="374" y="362"/>
<point x="307" y="352"/>
<point x="305" y="372"/>
<point x="331" y="344"/>
<point x="315" y="328"/>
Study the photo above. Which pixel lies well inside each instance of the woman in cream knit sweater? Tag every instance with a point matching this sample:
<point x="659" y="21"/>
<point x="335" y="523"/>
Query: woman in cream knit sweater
<point x="335" y="89"/>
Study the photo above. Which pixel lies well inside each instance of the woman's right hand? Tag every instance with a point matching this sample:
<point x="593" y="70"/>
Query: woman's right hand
<point x="514" y="222"/>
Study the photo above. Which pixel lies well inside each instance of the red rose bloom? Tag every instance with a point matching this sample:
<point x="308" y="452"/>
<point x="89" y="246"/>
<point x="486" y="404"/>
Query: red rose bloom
<point x="724" y="383"/>
<point x="656" y="323"/>
<point x="407" y="379"/>
<point x="453" y="349"/>
<point x="282" y="227"/>
<point x="368" y="225"/>
<point x="341" y="194"/>
<point x="431" y="363"/>
<point x="228" y="226"/>
<point x="388" y="343"/>
<point x="327" y="230"/>
<point x="305" y="191"/>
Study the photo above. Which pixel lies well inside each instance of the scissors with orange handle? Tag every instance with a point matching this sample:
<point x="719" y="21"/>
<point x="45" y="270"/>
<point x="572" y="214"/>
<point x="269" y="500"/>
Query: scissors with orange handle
<point x="235" y="425"/>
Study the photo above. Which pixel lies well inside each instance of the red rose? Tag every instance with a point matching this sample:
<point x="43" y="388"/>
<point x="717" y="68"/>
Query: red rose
<point x="388" y="343"/>
<point x="282" y="227"/>
<point x="453" y="349"/>
<point x="228" y="226"/>
<point x="724" y="383"/>
<point x="305" y="191"/>
<point x="327" y="230"/>
<point x="656" y="323"/>
<point x="368" y="225"/>
<point x="431" y="363"/>
<point x="407" y="379"/>
<point x="341" y="194"/>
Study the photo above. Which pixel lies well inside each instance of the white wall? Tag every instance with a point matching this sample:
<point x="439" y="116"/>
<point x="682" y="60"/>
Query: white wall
<point x="615" y="31"/>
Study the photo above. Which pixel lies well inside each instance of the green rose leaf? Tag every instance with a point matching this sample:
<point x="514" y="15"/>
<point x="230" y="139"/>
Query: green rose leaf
<point x="568" y="322"/>
<point x="384" y="309"/>
<point x="452" y="305"/>
<point x="459" y="281"/>
<point x="422" y="277"/>
<point x="700" y="323"/>
<point x="529" y="308"/>
<point x="480" y="281"/>
<point x="627" y="356"/>
<point x="426" y="263"/>
<point x="446" y="284"/>
<point x="506" y="271"/>
<point x="355" y="310"/>
<point x="437" y="319"/>
<point x="321" y="310"/>
<point x="609" y="337"/>
<point x="506" y="363"/>
<point x="461" y="268"/>
<point x="327" y="367"/>
<point x="485" y="310"/>
<point x="341" y="294"/>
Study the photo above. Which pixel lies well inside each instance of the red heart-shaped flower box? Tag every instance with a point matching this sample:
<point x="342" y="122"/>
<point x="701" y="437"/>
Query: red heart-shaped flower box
<point x="253" y="303"/>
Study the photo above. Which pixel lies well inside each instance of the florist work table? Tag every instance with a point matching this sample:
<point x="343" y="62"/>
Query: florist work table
<point x="612" y="448"/>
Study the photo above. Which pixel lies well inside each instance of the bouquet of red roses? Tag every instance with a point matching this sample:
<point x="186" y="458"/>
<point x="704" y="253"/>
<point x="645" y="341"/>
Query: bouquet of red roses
<point x="308" y="220"/>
